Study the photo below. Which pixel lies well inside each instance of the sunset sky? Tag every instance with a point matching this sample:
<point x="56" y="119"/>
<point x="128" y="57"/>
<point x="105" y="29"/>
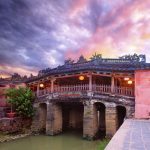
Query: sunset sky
<point x="36" y="34"/>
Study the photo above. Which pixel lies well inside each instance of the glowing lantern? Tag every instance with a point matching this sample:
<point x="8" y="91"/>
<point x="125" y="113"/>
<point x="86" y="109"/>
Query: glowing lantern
<point x="81" y="78"/>
<point x="130" y="82"/>
<point x="126" y="78"/>
<point x="41" y="85"/>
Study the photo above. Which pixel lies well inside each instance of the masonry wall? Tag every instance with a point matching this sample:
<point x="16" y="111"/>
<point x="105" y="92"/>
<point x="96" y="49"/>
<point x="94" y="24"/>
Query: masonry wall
<point x="142" y="94"/>
<point x="12" y="125"/>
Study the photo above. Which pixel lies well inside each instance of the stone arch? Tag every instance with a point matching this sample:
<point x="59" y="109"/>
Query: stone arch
<point x="72" y="116"/>
<point x="121" y="114"/>
<point x="101" y="119"/>
<point x="42" y="116"/>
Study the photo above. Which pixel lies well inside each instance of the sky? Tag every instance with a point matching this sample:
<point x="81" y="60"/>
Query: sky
<point x="36" y="34"/>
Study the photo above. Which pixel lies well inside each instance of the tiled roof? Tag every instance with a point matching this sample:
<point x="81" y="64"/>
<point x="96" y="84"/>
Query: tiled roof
<point x="101" y="65"/>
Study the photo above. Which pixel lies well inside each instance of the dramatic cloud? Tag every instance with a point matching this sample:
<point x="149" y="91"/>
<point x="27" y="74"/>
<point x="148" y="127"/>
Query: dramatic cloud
<point x="42" y="33"/>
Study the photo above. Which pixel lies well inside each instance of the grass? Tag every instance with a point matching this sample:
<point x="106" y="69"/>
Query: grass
<point x="103" y="144"/>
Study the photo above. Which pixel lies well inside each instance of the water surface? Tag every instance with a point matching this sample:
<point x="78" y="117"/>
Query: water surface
<point x="66" y="141"/>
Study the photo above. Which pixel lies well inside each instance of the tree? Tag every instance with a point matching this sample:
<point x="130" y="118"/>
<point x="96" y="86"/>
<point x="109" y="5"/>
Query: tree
<point x="22" y="100"/>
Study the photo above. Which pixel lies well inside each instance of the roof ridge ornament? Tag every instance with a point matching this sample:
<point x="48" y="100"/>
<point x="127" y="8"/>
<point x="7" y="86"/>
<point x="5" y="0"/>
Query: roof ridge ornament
<point x="96" y="56"/>
<point x="69" y="61"/>
<point x="134" y="58"/>
<point x="81" y="59"/>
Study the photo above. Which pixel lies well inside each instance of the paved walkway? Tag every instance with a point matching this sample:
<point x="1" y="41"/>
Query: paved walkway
<point x="132" y="135"/>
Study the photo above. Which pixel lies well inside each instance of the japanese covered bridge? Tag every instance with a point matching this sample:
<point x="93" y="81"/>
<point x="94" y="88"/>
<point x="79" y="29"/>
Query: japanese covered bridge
<point x="93" y="95"/>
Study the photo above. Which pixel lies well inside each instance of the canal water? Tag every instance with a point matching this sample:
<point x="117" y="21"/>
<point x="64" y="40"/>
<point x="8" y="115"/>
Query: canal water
<point x="66" y="141"/>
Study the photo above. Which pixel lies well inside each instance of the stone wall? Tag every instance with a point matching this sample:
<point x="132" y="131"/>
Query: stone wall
<point x="12" y="125"/>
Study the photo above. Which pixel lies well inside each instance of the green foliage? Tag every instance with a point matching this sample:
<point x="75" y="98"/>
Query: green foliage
<point x="103" y="144"/>
<point x="22" y="100"/>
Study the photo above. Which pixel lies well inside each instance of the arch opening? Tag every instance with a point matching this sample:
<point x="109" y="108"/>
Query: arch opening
<point x="43" y="117"/>
<point x="72" y="116"/>
<point x="101" y="121"/>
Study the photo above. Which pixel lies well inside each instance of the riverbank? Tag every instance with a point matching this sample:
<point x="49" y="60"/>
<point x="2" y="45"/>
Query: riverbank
<point x="11" y="137"/>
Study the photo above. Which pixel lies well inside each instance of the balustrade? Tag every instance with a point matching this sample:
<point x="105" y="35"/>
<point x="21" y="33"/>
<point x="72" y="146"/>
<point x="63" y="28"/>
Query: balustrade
<point x="102" y="89"/>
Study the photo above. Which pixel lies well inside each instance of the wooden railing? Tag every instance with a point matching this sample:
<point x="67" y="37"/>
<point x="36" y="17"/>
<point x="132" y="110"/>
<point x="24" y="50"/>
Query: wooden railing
<point x="72" y="88"/>
<point x="101" y="89"/>
<point x="44" y="91"/>
<point x="124" y="91"/>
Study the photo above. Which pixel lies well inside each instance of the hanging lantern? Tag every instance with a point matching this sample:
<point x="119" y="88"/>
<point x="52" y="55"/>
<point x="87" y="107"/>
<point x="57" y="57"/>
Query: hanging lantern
<point x="81" y="78"/>
<point x="41" y="85"/>
<point x="130" y="82"/>
<point x="126" y="78"/>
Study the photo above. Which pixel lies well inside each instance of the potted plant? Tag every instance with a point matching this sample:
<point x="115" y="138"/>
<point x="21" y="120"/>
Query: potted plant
<point x="11" y="114"/>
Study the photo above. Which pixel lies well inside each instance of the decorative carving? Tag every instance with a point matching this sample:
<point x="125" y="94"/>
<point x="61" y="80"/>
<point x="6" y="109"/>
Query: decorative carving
<point x="96" y="57"/>
<point x="44" y="71"/>
<point x="69" y="61"/>
<point x="81" y="59"/>
<point x="142" y="58"/>
<point x="134" y="58"/>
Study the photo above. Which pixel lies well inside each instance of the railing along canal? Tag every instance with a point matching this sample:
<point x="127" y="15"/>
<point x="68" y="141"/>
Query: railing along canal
<point x="101" y="89"/>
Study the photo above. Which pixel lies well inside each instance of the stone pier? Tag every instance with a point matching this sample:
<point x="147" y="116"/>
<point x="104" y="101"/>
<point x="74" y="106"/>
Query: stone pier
<point x="111" y="120"/>
<point x="90" y="121"/>
<point x="54" y="119"/>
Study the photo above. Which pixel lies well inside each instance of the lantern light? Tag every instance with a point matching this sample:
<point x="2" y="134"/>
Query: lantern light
<point x="81" y="78"/>
<point x="126" y="78"/>
<point x="41" y="85"/>
<point x="130" y="82"/>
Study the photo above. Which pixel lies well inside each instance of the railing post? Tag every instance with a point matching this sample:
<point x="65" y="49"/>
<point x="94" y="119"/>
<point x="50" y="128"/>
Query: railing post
<point x="112" y="84"/>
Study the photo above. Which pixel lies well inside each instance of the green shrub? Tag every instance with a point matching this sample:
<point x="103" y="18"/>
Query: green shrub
<point x="21" y="99"/>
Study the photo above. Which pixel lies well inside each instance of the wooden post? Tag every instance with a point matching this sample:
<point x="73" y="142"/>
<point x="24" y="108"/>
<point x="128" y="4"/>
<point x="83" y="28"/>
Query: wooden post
<point x="90" y="82"/>
<point x="112" y="84"/>
<point x="52" y="84"/>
